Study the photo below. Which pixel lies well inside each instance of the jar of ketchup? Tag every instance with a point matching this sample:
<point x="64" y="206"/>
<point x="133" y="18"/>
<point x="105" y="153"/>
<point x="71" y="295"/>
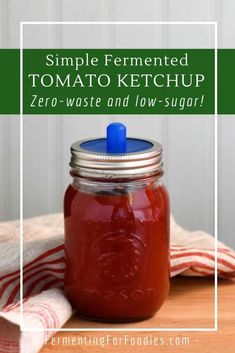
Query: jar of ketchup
<point x="116" y="216"/>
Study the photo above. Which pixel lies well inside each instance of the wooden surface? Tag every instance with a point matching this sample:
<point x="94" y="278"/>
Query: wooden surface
<point x="190" y="304"/>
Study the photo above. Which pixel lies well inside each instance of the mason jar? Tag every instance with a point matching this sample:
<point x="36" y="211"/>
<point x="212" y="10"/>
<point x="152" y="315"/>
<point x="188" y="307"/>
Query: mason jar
<point x="116" y="217"/>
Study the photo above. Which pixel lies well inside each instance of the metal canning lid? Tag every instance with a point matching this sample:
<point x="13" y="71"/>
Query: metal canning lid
<point x="116" y="156"/>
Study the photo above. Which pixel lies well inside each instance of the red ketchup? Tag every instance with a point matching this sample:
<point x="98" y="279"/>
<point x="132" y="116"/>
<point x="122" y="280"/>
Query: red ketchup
<point x="116" y="229"/>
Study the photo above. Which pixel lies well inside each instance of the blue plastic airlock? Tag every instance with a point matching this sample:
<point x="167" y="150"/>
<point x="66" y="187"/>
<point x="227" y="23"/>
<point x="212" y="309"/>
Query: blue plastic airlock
<point x="116" y="138"/>
<point x="116" y="142"/>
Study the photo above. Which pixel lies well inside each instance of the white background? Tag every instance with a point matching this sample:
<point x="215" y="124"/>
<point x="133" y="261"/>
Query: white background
<point x="187" y="140"/>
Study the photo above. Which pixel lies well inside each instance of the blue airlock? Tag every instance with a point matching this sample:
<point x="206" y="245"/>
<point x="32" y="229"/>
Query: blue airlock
<point x="116" y="142"/>
<point x="116" y="138"/>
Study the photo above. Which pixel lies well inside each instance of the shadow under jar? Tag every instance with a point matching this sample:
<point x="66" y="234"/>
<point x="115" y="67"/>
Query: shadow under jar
<point x="116" y="214"/>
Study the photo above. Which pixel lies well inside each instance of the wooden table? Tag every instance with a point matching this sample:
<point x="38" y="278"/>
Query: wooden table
<point x="190" y="304"/>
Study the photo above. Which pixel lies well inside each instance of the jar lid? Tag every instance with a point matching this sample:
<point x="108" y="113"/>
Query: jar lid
<point x="116" y="156"/>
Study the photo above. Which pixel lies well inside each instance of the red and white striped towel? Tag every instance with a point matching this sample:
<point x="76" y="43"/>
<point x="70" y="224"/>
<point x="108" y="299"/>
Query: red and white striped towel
<point x="45" y="306"/>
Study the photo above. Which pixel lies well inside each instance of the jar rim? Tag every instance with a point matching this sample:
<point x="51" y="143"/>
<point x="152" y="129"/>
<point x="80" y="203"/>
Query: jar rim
<point x="114" y="165"/>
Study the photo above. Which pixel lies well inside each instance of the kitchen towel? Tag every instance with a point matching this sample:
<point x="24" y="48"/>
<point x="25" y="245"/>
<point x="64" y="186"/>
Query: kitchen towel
<point x="45" y="306"/>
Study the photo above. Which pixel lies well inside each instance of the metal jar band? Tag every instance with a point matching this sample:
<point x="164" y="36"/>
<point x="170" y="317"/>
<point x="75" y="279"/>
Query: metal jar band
<point x="110" y="166"/>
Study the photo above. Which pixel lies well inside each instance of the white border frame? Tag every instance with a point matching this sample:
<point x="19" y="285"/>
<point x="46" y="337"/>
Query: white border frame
<point x="90" y="329"/>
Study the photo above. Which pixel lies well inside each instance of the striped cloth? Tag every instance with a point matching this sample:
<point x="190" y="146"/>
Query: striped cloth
<point x="45" y="306"/>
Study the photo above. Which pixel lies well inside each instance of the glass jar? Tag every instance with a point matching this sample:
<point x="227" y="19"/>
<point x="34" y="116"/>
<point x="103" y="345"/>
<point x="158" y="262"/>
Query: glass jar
<point x="116" y="229"/>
